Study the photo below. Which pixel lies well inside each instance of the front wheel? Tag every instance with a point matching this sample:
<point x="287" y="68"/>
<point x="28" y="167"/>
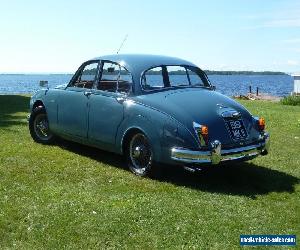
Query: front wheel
<point x="39" y="126"/>
<point x="140" y="155"/>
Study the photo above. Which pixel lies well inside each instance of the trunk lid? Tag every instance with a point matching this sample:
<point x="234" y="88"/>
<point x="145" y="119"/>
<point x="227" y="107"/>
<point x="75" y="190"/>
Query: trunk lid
<point x="202" y="106"/>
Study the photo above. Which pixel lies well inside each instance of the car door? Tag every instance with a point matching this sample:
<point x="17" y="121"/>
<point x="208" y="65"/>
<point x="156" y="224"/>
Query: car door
<point x="73" y="108"/>
<point x="106" y="104"/>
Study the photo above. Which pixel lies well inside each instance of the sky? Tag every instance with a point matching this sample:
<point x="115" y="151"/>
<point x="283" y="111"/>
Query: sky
<point x="57" y="36"/>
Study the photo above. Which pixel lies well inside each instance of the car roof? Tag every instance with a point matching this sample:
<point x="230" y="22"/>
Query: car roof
<point x="137" y="63"/>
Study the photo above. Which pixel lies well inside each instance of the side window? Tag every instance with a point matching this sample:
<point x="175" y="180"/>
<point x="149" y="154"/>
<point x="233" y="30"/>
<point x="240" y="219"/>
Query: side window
<point x="153" y="79"/>
<point x="194" y="78"/>
<point x="177" y="76"/>
<point x="115" y="78"/>
<point x="87" y="76"/>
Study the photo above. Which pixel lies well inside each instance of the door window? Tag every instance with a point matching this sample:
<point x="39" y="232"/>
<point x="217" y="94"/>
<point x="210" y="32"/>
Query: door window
<point x="115" y="78"/>
<point x="87" y="76"/>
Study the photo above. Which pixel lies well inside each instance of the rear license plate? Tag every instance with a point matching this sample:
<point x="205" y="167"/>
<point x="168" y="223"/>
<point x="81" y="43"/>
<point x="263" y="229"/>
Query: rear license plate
<point x="236" y="129"/>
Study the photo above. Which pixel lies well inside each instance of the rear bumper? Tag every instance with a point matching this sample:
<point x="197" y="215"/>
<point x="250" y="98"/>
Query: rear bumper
<point x="217" y="154"/>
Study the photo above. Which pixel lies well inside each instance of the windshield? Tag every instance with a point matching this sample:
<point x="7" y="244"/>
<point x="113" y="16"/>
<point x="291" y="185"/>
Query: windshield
<point x="168" y="76"/>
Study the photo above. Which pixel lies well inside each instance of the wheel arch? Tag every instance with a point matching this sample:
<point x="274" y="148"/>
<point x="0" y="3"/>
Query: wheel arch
<point x="38" y="103"/>
<point x="40" y="133"/>
<point x="141" y="125"/>
<point x="129" y="133"/>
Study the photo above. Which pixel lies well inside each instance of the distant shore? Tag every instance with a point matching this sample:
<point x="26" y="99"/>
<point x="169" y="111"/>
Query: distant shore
<point x="213" y="72"/>
<point x="260" y="96"/>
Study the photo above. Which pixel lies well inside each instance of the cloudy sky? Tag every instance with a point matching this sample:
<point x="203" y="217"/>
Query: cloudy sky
<point x="57" y="36"/>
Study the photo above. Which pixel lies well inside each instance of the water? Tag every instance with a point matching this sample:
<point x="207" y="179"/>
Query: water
<point x="276" y="85"/>
<point x="28" y="84"/>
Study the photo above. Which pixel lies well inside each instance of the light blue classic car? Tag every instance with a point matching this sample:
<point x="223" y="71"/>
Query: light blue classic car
<point x="151" y="109"/>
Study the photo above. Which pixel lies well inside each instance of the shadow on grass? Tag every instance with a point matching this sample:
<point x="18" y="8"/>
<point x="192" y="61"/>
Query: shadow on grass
<point x="11" y="104"/>
<point x="243" y="179"/>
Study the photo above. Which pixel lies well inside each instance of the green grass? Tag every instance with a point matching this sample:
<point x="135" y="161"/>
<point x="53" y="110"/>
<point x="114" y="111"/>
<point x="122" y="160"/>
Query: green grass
<point x="291" y="100"/>
<point x="71" y="196"/>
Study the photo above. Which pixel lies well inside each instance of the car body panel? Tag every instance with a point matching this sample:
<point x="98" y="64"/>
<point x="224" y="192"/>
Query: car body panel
<point x="199" y="105"/>
<point x="72" y="112"/>
<point x="106" y="115"/>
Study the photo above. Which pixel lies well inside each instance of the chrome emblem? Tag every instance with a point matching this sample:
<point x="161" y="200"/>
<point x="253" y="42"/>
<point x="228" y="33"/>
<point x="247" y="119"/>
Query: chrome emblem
<point x="231" y="114"/>
<point x="221" y="106"/>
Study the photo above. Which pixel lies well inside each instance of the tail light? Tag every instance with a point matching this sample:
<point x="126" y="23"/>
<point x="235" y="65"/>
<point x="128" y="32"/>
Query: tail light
<point x="202" y="132"/>
<point x="261" y="123"/>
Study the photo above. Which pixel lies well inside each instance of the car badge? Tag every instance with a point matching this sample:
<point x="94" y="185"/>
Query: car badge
<point x="231" y="114"/>
<point x="221" y="106"/>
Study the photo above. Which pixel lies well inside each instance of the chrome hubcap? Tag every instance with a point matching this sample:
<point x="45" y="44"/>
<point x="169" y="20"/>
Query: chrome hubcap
<point x="137" y="152"/>
<point x="41" y="127"/>
<point x="140" y="153"/>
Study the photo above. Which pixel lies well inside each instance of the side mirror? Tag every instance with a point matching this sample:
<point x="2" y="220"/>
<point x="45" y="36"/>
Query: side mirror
<point x="44" y="84"/>
<point x="213" y="87"/>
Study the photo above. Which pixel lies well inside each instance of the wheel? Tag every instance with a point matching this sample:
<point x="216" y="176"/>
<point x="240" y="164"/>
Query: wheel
<point x="39" y="126"/>
<point x="139" y="155"/>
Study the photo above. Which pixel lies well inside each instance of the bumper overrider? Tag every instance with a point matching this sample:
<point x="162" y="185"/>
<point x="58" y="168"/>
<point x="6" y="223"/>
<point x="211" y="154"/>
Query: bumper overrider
<point x="216" y="154"/>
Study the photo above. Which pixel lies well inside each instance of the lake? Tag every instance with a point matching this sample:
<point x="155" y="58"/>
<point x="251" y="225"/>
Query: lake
<point x="276" y="85"/>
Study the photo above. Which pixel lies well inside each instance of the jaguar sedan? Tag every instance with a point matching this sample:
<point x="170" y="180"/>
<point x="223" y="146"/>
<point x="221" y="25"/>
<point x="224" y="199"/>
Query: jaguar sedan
<point x="151" y="109"/>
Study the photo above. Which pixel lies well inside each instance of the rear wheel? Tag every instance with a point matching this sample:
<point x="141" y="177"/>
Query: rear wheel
<point x="39" y="126"/>
<point x="140" y="155"/>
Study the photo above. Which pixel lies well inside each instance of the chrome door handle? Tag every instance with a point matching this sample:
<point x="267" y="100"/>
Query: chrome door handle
<point x="87" y="93"/>
<point x="120" y="99"/>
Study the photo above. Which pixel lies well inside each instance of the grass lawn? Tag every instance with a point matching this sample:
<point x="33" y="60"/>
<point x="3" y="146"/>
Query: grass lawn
<point x="72" y="196"/>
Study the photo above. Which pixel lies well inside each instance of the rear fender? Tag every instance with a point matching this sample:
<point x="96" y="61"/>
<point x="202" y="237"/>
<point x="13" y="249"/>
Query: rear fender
<point x="147" y="127"/>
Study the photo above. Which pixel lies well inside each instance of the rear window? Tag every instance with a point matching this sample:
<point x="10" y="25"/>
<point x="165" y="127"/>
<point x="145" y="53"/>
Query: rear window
<point x="168" y="76"/>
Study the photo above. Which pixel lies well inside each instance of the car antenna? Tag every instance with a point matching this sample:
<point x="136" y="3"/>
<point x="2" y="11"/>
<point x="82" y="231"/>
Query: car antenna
<point x="125" y="38"/>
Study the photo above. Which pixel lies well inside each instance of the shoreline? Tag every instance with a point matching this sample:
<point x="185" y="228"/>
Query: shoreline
<point x="249" y="96"/>
<point x="261" y="96"/>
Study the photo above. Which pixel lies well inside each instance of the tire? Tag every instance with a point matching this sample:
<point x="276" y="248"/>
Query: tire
<point x="139" y="155"/>
<point x="39" y="126"/>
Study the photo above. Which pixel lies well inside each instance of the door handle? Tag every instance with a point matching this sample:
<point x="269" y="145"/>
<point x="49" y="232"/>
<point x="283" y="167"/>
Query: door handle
<point x="120" y="99"/>
<point x="87" y="93"/>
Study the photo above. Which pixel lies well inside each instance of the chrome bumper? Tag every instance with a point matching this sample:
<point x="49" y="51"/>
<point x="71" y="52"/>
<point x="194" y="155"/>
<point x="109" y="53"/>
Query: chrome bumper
<point x="217" y="154"/>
